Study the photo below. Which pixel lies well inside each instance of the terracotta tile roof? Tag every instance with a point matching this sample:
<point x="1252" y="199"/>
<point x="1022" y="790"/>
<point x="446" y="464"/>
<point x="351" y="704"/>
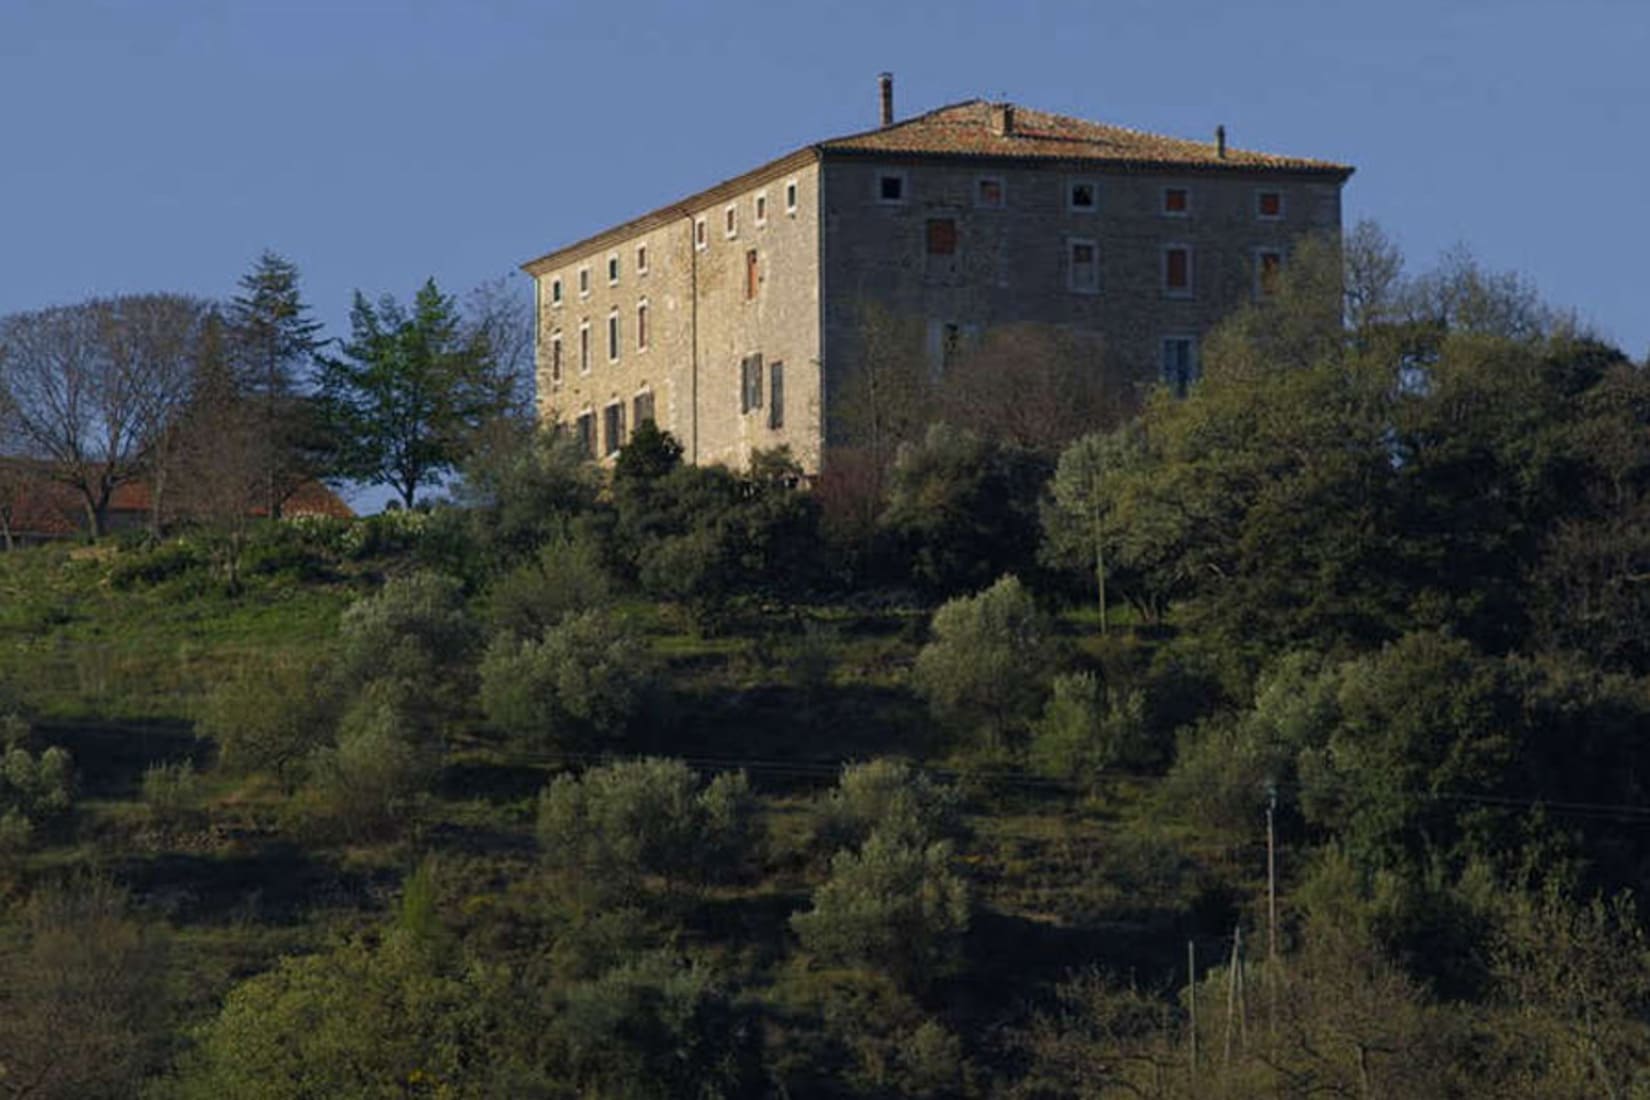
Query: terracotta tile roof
<point x="966" y="129"/>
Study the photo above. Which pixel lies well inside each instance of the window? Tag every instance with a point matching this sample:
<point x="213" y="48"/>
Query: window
<point x="891" y="187"/>
<point x="1177" y="270"/>
<point x="642" y="410"/>
<point x="730" y="222"/>
<point x="613" y="336"/>
<point x="790" y="197"/>
<point x="1268" y="267"/>
<point x="584" y="347"/>
<point x="555" y="358"/>
<point x="641" y="259"/>
<point x="1179" y="363"/>
<point x="613" y="428"/>
<point x="584" y="282"/>
<point x="585" y="428"/>
<point x="555" y="291"/>
<point x="1082" y="265"/>
<point x="988" y="192"/>
<point x="613" y="270"/>
<point x="753" y="275"/>
<point x="950" y="345"/>
<point x="762" y="208"/>
<point x="1082" y="196"/>
<point x="641" y="325"/>
<point x="1177" y="202"/>
<point x="699" y="233"/>
<point x="1269" y="205"/>
<point x="750" y="383"/>
<point x="942" y="236"/>
<point x="776" y="395"/>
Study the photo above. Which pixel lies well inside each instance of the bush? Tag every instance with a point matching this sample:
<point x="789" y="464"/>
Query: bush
<point x="386" y="755"/>
<point x="564" y="578"/>
<point x="887" y="796"/>
<point x="163" y="563"/>
<point x="983" y="673"/>
<point x="578" y="687"/>
<point x="270" y="717"/>
<point x="1084" y="730"/>
<point x="648" y="817"/>
<point x="37" y="787"/>
<point x="894" y="906"/>
<point x="171" y="791"/>
<point x="418" y="631"/>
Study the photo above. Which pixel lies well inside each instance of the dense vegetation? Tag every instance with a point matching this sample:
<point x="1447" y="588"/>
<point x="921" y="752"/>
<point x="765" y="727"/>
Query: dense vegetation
<point x="689" y="781"/>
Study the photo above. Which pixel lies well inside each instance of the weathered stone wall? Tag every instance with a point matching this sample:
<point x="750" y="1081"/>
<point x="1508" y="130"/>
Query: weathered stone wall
<point x="1011" y="264"/>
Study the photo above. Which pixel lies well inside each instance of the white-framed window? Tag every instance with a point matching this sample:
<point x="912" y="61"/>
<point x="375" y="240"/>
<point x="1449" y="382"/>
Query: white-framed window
<point x="555" y="291"/>
<point x="750" y="383"/>
<point x="584" y="281"/>
<point x="891" y="188"/>
<point x="990" y="192"/>
<point x="584" y="346"/>
<point x="1269" y="206"/>
<point x="790" y="197"/>
<point x="555" y="358"/>
<point x="776" y="396"/>
<point x="730" y="221"/>
<point x="760" y="207"/>
<point x="1082" y="195"/>
<point x="641" y="325"/>
<point x="1177" y="270"/>
<point x="753" y="274"/>
<point x="1178" y="364"/>
<point x="700" y="238"/>
<point x="1082" y="265"/>
<point x="641" y="409"/>
<point x="641" y="259"/>
<point x="612" y="428"/>
<point x="612" y="336"/>
<point x="612" y="269"/>
<point x="1268" y="269"/>
<point x="1176" y="202"/>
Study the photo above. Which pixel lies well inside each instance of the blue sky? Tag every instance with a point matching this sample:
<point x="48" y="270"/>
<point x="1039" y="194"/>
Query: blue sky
<point x="161" y="144"/>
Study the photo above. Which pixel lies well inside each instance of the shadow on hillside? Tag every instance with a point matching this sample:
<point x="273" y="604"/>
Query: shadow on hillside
<point x="111" y="756"/>
<point x="278" y="883"/>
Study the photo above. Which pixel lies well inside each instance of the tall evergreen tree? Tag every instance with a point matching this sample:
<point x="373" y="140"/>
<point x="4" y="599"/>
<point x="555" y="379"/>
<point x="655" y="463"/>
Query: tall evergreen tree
<point x="275" y="339"/>
<point x="405" y="399"/>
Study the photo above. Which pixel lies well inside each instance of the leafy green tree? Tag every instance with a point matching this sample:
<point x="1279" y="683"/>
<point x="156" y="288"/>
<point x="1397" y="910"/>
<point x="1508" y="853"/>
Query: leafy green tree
<point x="1077" y="518"/>
<point x="275" y="338"/>
<point x="385" y="756"/>
<point x="985" y="673"/>
<point x="417" y="631"/>
<point x="409" y="392"/>
<point x="566" y="576"/>
<point x="521" y="486"/>
<point x="578" y="686"/>
<point x="648" y="817"/>
<point x="894" y="905"/>
<point x="889" y="796"/>
<point x="84" y="1003"/>
<point x="269" y="716"/>
<point x="1086" y="729"/>
<point x="962" y="508"/>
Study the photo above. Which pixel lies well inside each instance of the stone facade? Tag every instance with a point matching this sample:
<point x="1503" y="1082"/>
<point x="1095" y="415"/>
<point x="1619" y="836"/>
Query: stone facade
<point x="970" y="219"/>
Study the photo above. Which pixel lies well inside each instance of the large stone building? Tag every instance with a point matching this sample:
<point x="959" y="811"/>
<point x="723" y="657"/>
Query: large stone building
<point x="736" y="317"/>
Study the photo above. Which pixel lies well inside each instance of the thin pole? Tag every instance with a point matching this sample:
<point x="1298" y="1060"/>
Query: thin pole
<point x="1231" y="995"/>
<point x="1271" y="908"/>
<point x="1191" y="991"/>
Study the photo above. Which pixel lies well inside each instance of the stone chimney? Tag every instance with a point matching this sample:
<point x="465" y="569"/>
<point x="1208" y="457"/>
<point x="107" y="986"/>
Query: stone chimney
<point x="1220" y="142"/>
<point x="885" y="89"/>
<point x="1002" y="119"/>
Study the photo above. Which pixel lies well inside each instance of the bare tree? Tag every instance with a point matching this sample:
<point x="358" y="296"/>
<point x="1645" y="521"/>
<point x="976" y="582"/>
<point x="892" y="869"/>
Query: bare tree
<point x="1036" y="386"/>
<point x="91" y="388"/>
<point x="499" y="316"/>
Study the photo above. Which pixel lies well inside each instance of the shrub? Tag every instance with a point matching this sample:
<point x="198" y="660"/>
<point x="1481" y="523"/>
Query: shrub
<point x="579" y="686"/>
<point x="418" y="631"/>
<point x="37" y="786"/>
<point x="386" y="755"/>
<point x="984" y="671"/>
<point x="269" y="716"/>
<point x="648" y="817"/>
<point x="895" y="905"/>
<point x="1084" y="730"/>
<point x="888" y="796"/>
<point x="170" y="791"/>
<point x="565" y="577"/>
<point x="165" y="562"/>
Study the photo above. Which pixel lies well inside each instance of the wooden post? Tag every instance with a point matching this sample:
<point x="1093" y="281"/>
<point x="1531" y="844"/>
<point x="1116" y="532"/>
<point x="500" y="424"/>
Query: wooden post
<point x="1231" y="994"/>
<point x="1271" y="909"/>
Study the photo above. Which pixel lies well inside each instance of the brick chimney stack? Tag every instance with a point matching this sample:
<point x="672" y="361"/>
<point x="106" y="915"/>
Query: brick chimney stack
<point x="1220" y="142"/>
<point x="1002" y="119"/>
<point x="885" y="88"/>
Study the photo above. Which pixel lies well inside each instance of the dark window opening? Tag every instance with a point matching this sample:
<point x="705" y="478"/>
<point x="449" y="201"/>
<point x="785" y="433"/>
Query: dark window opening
<point x="750" y="383"/>
<point x="642" y="409"/>
<point x="891" y="188"/>
<point x="776" y="395"/>
<point x="586" y="427"/>
<point x="1179" y="364"/>
<point x="1270" y="204"/>
<point x="1176" y="200"/>
<point x="613" y="417"/>
<point x="1177" y="270"/>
